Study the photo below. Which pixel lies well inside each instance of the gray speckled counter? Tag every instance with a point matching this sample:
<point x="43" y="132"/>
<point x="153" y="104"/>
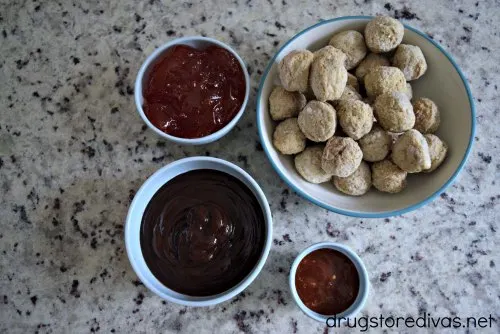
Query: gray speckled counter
<point x="73" y="151"/>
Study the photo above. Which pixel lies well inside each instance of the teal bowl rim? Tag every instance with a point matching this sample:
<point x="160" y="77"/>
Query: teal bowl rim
<point x="356" y="213"/>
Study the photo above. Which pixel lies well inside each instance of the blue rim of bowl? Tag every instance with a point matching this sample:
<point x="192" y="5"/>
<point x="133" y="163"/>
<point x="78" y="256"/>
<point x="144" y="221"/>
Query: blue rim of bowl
<point x="363" y="214"/>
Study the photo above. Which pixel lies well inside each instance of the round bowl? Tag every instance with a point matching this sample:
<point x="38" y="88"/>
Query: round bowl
<point x="443" y="82"/>
<point x="141" y="200"/>
<point x="364" y="284"/>
<point x="197" y="42"/>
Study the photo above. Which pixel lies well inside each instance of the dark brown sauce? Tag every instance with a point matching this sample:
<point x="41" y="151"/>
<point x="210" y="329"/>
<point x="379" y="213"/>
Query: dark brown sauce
<point x="327" y="281"/>
<point x="202" y="233"/>
<point x="191" y="93"/>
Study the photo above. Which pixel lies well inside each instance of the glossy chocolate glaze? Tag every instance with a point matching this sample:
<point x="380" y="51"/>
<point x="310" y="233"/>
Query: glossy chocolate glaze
<point x="202" y="232"/>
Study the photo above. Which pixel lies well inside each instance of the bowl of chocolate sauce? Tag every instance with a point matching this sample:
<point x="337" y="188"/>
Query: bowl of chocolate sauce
<point x="329" y="283"/>
<point x="198" y="231"/>
<point x="192" y="90"/>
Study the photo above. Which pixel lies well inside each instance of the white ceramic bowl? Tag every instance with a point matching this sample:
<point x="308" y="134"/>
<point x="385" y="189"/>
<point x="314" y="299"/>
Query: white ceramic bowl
<point x="199" y="43"/>
<point x="141" y="200"/>
<point x="364" y="283"/>
<point x="443" y="82"/>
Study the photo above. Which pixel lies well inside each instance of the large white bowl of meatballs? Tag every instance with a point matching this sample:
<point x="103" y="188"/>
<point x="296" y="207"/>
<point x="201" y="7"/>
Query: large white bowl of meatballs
<point x="365" y="116"/>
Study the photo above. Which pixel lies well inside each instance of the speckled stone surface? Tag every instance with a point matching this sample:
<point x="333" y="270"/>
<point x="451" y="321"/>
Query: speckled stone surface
<point x="73" y="151"/>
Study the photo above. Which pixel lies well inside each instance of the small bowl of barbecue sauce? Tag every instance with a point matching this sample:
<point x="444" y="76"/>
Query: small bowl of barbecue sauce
<point x="329" y="282"/>
<point x="192" y="90"/>
<point x="198" y="231"/>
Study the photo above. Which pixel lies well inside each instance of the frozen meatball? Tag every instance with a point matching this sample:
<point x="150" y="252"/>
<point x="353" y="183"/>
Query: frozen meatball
<point x="410" y="60"/>
<point x="411" y="152"/>
<point x="353" y="81"/>
<point x="371" y="61"/>
<point x="341" y="156"/>
<point x="394" y="112"/>
<point x="437" y="150"/>
<point x="294" y="70"/>
<point x="384" y="79"/>
<point x="332" y="53"/>
<point x="427" y="117"/>
<point x="308" y="165"/>
<point x="352" y="43"/>
<point x="356" y="184"/>
<point x="409" y="91"/>
<point x="355" y="118"/>
<point x="328" y="75"/>
<point x="376" y="144"/>
<point x="288" y="138"/>
<point x="318" y="121"/>
<point x="284" y="104"/>
<point x="383" y="34"/>
<point x="388" y="177"/>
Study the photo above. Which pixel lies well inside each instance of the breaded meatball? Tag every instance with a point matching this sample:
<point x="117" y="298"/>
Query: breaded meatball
<point x="371" y="61"/>
<point x="409" y="91"/>
<point x="356" y="184"/>
<point x="376" y="144"/>
<point x="328" y="75"/>
<point x="410" y="60"/>
<point x="294" y="70"/>
<point x="284" y="104"/>
<point x="352" y="43"/>
<point x="308" y="165"/>
<point x="353" y="81"/>
<point x="349" y="94"/>
<point x="341" y="156"/>
<point x="427" y="116"/>
<point x="355" y="117"/>
<point x="411" y="152"/>
<point x="388" y="177"/>
<point x="394" y="112"/>
<point x="383" y="34"/>
<point x="318" y="121"/>
<point x="437" y="150"/>
<point x="384" y="79"/>
<point x="288" y="138"/>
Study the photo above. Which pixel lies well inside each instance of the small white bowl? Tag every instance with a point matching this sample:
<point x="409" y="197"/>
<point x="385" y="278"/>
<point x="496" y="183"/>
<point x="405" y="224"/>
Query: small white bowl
<point x="141" y="200"/>
<point x="443" y="82"/>
<point x="364" y="284"/>
<point x="199" y="43"/>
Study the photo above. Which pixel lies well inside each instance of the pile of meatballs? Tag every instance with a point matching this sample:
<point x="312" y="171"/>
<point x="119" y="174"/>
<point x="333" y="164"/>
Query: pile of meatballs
<point x="347" y="112"/>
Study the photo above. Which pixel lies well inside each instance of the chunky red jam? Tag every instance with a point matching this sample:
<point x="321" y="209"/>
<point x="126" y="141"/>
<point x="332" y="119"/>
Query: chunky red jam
<point x="191" y="93"/>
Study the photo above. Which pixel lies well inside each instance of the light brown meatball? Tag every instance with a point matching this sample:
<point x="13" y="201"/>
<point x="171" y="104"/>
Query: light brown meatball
<point x="437" y="150"/>
<point x="383" y="34"/>
<point x="355" y="118"/>
<point x="371" y="61"/>
<point x="353" y="81"/>
<point x="384" y="79"/>
<point x="341" y="156"/>
<point x="331" y="53"/>
<point x="427" y="116"/>
<point x="356" y="184"/>
<point x="352" y="43"/>
<point x="348" y="94"/>
<point x="388" y="177"/>
<point x="308" y="165"/>
<point x="284" y="104"/>
<point x="328" y="75"/>
<point x="376" y="144"/>
<point x="394" y="112"/>
<point x="287" y="137"/>
<point x="411" y="152"/>
<point x="410" y="60"/>
<point x="294" y="70"/>
<point x="318" y="121"/>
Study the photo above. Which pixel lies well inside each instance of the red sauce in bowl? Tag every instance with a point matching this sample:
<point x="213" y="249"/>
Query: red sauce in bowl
<point x="191" y="93"/>
<point x="327" y="281"/>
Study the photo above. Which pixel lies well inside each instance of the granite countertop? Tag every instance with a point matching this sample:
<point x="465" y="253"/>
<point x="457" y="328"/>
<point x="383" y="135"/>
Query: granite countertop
<point x="73" y="151"/>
